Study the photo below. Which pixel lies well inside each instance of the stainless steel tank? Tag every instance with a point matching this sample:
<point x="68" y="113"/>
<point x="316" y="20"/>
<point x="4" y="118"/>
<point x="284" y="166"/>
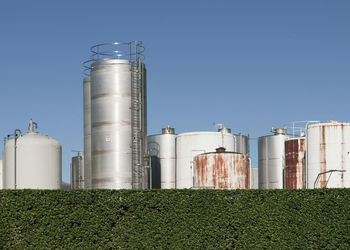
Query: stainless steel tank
<point x="162" y="152"/>
<point x="221" y="170"/>
<point x="38" y="162"/>
<point x="328" y="157"/>
<point x="294" y="171"/>
<point x="254" y="178"/>
<point x="189" y="145"/>
<point x="118" y="116"/>
<point x="271" y="159"/>
<point x="77" y="171"/>
<point x="87" y="132"/>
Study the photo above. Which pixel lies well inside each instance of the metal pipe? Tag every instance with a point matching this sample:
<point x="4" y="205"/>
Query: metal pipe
<point x="15" y="153"/>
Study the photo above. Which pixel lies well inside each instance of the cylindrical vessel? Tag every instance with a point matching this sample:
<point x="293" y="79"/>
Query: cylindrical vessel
<point x="87" y="132"/>
<point x="221" y="170"/>
<point x="38" y="162"/>
<point x="77" y="171"/>
<point x="328" y="160"/>
<point x="1" y="187"/>
<point x="162" y="151"/>
<point x="254" y="178"/>
<point x="271" y="159"/>
<point x="111" y="149"/>
<point x="294" y="171"/>
<point x="188" y="145"/>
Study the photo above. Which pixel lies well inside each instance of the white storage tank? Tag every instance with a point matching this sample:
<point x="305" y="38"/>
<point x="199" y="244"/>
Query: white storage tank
<point x="87" y="132"/>
<point x="162" y="152"/>
<point x="328" y="155"/>
<point x="271" y="159"/>
<point x="254" y="178"/>
<point x="189" y="145"/>
<point x="38" y="161"/>
<point x="77" y="171"/>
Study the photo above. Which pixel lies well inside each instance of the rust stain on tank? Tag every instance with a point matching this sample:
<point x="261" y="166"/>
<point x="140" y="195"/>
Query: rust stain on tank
<point x="226" y="170"/>
<point x="294" y="160"/>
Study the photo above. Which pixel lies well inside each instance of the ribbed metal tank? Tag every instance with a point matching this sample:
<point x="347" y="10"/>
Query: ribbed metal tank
<point x="162" y="151"/>
<point x="271" y="159"/>
<point x="294" y="171"/>
<point x="77" y="171"/>
<point x="221" y="170"/>
<point x="118" y="116"/>
<point x="1" y="186"/>
<point x="328" y="157"/>
<point x="38" y="162"/>
<point x="87" y="132"/>
<point x="188" y="145"/>
<point x="111" y="140"/>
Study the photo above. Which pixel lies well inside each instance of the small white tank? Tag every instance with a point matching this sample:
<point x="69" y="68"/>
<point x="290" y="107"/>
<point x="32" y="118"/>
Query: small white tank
<point x="38" y="162"/>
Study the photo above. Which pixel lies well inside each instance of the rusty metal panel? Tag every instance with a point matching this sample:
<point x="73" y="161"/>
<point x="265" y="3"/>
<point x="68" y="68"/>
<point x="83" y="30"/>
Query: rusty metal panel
<point x="328" y="156"/>
<point x="295" y="150"/>
<point x="226" y="170"/>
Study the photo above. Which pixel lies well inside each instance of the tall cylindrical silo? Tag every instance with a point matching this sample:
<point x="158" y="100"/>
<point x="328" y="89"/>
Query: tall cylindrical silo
<point x="328" y="157"/>
<point x="188" y="145"/>
<point x="77" y="171"/>
<point x="221" y="170"/>
<point x="38" y="162"/>
<point x="294" y="170"/>
<point x="271" y="159"/>
<point x="162" y="151"/>
<point x="87" y="132"/>
<point x="118" y="116"/>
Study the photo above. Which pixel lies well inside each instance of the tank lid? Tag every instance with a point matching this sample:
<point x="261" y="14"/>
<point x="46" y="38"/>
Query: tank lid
<point x="220" y="150"/>
<point x="279" y="131"/>
<point x="32" y="126"/>
<point x="225" y="130"/>
<point x="168" y="130"/>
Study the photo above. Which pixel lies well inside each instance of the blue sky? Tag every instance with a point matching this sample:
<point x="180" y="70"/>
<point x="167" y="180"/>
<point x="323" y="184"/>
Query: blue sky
<point x="249" y="64"/>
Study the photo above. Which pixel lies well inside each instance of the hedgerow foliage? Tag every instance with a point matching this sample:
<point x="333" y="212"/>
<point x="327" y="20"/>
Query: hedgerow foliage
<point x="175" y="219"/>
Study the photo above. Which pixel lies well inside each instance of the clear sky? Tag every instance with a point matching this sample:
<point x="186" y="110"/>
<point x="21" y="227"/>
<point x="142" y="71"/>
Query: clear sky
<point x="249" y="64"/>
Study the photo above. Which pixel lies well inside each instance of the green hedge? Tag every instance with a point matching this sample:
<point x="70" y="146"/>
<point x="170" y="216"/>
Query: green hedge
<point x="175" y="219"/>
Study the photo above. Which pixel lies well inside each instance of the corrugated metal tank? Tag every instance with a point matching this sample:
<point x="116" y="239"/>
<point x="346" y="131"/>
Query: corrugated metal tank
<point x="87" y="132"/>
<point x="162" y="151"/>
<point x="77" y="171"/>
<point x="188" y="145"/>
<point x="294" y="172"/>
<point x="1" y="186"/>
<point x="271" y="159"/>
<point x="39" y="161"/>
<point x="111" y="140"/>
<point x="221" y="170"/>
<point x="328" y="155"/>
<point x="254" y="178"/>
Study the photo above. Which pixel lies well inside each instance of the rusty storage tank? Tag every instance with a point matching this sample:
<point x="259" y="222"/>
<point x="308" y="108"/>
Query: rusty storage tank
<point x="188" y="145"/>
<point x="77" y="171"/>
<point x="294" y="170"/>
<point x="161" y="149"/>
<point x="271" y="159"/>
<point x="118" y="116"/>
<point x="328" y="155"/>
<point x="221" y="170"/>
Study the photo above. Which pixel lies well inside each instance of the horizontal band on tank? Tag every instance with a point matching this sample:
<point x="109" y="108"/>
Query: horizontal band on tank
<point x="107" y="95"/>
<point x="100" y="152"/>
<point x="109" y="180"/>
<point x="99" y="124"/>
